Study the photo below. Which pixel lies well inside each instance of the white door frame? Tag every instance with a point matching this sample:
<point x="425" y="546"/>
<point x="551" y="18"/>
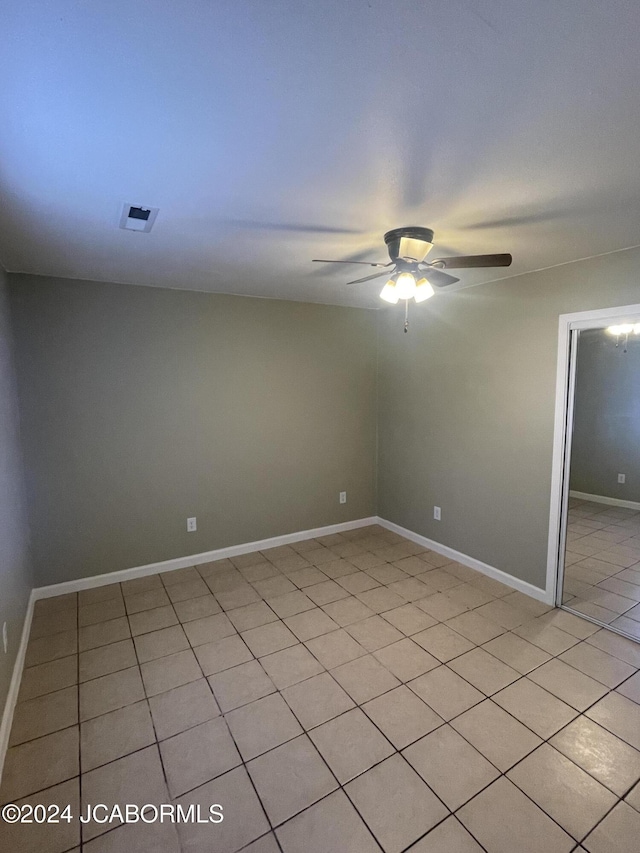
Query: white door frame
<point x="563" y="427"/>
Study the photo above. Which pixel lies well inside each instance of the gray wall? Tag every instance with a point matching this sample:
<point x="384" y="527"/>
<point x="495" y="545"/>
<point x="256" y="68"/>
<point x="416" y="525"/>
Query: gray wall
<point x="606" y="425"/>
<point x="16" y="578"/>
<point x="143" y="406"/>
<point x="466" y="408"/>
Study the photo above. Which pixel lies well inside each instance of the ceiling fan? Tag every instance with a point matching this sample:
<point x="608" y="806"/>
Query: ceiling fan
<point x="410" y="276"/>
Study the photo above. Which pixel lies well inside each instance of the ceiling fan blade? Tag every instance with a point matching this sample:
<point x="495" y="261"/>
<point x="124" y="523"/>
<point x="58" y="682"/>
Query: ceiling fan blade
<point x="438" y="278"/>
<point x="365" y="263"/>
<point x="368" y="278"/>
<point x="471" y="261"/>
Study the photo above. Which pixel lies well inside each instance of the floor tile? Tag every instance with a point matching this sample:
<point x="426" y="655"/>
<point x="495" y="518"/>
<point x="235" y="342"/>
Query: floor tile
<point x="244" y="818"/>
<point x="182" y="708"/>
<point x="330" y="825"/>
<point x="187" y="589"/>
<point x="152" y="620"/>
<point x="51" y="648"/>
<point x="103" y="633"/>
<point x="40" y="764"/>
<point x="48" y="677"/>
<point x="272" y="587"/>
<point x="633" y="798"/>
<point x="566" y="793"/>
<point x="159" y="644"/>
<point x="262" y="725"/>
<point x="504" y="614"/>
<point x="307" y="577"/>
<point x="222" y="654"/>
<point x="110" y="692"/>
<point x="138" y="838"/>
<point x="542" y="712"/>
<point x="350" y="744"/>
<point x="441" y="607"/>
<point x="251" y="616"/>
<point x="326" y="592"/>
<point x="169" y="672"/>
<point x="575" y="625"/>
<point x="395" y="803"/>
<point x="451" y="767"/>
<point x="631" y="688"/>
<point x="176" y="576"/>
<point x="358" y="582"/>
<point x="90" y="614"/>
<point x="443" y="642"/>
<point x="496" y="734"/>
<point x="475" y="627"/>
<point x="136" y="585"/>
<point x="303" y="779"/>
<point x="411" y="589"/>
<point x="484" y="671"/>
<point x="148" y="600"/>
<point x="607" y="758"/>
<point x="312" y="623"/>
<point x="106" y="659"/>
<point x="597" y="664"/>
<point x="618" y="832"/>
<point x="619" y="647"/>
<point x="44" y="715"/>
<point x="620" y="716"/>
<point x="196" y="608"/>
<point x="44" y="837"/>
<point x="289" y="666"/>
<point x="112" y="735"/>
<point x="198" y="755"/>
<point x="291" y="603"/>
<point x="53" y="623"/>
<point x="448" y="837"/>
<point x="266" y="844"/>
<point x="317" y="700"/>
<point x="374" y="633"/>
<point x="364" y="678"/>
<point x="547" y="637"/>
<point x="201" y="631"/>
<point x="136" y="779"/>
<point x="402" y="716"/>
<point x="269" y="638"/>
<point x="469" y="595"/>
<point x="335" y="648"/>
<point x="517" y="653"/>
<point x="409" y="619"/>
<point x="406" y="659"/>
<point x="568" y="684"/>
<point x="346" y="611"/>
<point x="446" y="692"/>
<point x="380" y="599"/>
<point x="504" y="820"/>
<point x="241" y="685"/>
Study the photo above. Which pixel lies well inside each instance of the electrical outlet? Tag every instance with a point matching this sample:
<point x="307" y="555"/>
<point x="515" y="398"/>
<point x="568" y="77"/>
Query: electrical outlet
<point x="343" y="497"/>
<point x="191" y="525"/>
<point x="5" y="639"/>
<point x="622" y="478"/>
<point x="437" y="513"/>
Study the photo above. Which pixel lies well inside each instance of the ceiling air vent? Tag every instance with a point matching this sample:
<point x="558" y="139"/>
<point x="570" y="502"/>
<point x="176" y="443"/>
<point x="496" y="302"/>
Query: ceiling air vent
<point x="137" y="218"/>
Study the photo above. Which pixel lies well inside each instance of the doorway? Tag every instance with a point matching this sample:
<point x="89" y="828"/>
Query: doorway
<point x="593" y="566"/>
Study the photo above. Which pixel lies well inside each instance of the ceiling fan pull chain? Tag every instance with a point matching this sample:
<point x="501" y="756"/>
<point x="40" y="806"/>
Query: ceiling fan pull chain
<point x="406" y="315"/>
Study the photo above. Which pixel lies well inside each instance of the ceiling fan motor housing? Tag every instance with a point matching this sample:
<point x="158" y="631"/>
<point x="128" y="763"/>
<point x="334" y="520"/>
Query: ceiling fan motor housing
<point x="410" y="243"/>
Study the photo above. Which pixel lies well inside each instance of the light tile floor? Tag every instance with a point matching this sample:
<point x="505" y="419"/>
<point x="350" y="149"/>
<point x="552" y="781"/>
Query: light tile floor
<point x="348" y="694"/>
<point x="602" y="564"/>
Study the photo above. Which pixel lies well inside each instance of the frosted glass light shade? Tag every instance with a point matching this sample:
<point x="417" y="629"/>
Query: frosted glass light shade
<point x="389" y="292"/>
<point x="423" y="290"/>
<point x="405" y="285"/>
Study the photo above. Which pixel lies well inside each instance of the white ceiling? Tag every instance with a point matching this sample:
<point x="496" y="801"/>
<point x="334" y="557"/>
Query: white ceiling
<point x="504" y="126"/>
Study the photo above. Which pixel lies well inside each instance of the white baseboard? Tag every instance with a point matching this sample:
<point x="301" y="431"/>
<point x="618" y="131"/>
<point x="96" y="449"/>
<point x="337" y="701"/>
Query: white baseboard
<point x="14" y="685"/>
<point x="602" y="499"/>
<point x="197" y="559"/>
<point x="505" y="578"/>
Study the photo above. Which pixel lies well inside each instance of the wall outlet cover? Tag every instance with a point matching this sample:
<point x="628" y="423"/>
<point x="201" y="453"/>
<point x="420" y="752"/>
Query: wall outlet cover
<point x="437" y="513"/>
<point x="5" y="639"/>
<point x="622" y="478"/>
<point x="191" y="525"/>
<point x="343" y="497"/>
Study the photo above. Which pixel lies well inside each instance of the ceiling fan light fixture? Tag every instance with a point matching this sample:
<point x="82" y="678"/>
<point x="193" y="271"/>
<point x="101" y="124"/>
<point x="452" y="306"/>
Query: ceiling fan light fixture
<point x="389" y="292"/>
<point x="423" y="290"/>
<point x="405" y="285"/>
